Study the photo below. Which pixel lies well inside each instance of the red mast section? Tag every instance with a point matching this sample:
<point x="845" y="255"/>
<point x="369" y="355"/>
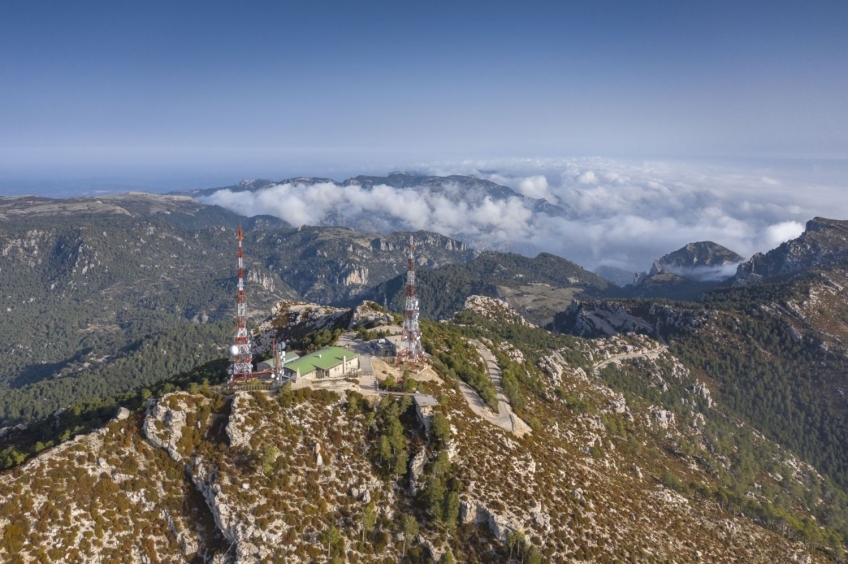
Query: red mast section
<point x="240" y="352"/>
<point x="411" y="350"/>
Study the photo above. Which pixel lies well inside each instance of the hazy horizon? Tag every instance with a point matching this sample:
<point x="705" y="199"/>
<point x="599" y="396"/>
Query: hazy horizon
<point x="674" y="112"/>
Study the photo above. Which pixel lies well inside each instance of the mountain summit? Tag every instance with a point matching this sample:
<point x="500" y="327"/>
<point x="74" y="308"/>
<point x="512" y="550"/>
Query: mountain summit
<point x="687" y="270"/>
<point x="703" y="253"/>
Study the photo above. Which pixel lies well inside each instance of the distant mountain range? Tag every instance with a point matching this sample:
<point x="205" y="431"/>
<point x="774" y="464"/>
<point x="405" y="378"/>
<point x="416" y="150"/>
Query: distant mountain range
<point x="469" y="189"/>
<point x="476" y="207"/>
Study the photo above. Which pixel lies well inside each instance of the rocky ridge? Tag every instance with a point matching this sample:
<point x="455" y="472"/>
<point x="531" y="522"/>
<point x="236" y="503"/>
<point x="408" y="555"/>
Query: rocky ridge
<point x="594" y="318"/>
<point x="703" y="253"/>
<point x="494" y="310"/>
<point x="823" y="245"/>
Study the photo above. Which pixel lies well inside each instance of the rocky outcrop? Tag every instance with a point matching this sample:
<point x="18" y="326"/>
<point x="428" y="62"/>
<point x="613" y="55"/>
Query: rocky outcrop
<point x="701" y="254"/>
<point x="267" y="281"/>
<point x="416" y="471"/>
<point x="599" y="318"/>
<point x="618" y="404"/>
<point x="824" y="244"/>
<point x="369" y="315"/>
<point x="495" y="310"/>
<point x="381" y="244"/>
<point x="663" y="417"/>
<point x="163" y="423"/>
<point x="552" y="367"/>
<point x="510" y="351"/>
<point x="354" y="275"/>
<point x="701" y="390"/>
<point x="500" y="524"/>
<point x="236" y="432"/>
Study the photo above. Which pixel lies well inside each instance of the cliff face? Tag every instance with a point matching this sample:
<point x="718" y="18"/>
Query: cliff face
<point x="823" y="245"/>
<point x="598" y="318"/>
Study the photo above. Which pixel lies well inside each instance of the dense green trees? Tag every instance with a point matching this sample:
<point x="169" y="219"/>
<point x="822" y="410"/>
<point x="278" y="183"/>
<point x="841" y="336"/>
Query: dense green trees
<point x="139" y="364"/>
<point x="84" y="417"/>
<point x="393" y="447"/>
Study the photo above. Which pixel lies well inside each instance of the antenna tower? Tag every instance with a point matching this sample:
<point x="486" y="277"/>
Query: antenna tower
<point x="242" y="359"/>
<point x="411" y="337"/>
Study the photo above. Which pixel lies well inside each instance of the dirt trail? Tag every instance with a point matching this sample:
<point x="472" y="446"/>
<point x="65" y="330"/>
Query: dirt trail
<point x="653" y="354"/>
<point x="505" y="418"/>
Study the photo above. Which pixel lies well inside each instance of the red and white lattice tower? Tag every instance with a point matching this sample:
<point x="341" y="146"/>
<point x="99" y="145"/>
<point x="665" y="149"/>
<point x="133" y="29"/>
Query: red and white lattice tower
<point x="410" y="350"/>
<point x="242" y="369"/>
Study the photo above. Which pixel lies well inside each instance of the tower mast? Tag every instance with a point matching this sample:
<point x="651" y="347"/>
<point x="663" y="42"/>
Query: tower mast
<point x="241" y="357"/>
<point x="411" y="336"/>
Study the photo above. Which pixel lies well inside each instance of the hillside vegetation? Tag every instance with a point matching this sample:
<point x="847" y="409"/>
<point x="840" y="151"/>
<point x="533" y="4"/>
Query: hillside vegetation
<point x="620" y="468"/>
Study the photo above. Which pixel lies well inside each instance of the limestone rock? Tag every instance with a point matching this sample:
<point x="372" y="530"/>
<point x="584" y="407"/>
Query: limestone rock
<point x="702" y="390"/>
<point x="369" y="314"/>
<point x="416" y="471"/>
<point x="663" y="417"/>
<point x="495" y="310"/>
<point x="163" y="425"/>
<point x="511" y="352"/>
<point x="618" y="404"/>
<point x="236" y="425"/>
<point x="552" y="368"/>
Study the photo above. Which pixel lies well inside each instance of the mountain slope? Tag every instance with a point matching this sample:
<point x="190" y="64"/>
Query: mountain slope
<point x="775" y="353"/>
<point x="180" y="210"/>
<point x="455" y="187"/>
<point x="618" y="468"/>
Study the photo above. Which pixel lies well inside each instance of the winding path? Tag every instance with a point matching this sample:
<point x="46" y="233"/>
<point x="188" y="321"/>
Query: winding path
<point x="505" y="418"/>
<point x="653" y="354"/>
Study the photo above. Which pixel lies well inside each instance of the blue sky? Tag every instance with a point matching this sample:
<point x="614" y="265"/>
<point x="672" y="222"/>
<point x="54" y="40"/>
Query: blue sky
<point x="199" y="91"/>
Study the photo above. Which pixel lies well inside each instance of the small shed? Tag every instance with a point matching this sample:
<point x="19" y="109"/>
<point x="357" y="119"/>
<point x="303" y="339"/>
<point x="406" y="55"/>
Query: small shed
<point x="383" y="347"/>
<point x="424" y="406"/>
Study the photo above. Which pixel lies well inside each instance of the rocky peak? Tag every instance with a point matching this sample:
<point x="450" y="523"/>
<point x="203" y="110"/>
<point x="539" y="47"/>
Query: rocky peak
<point x="823" y="245"/>
<point x="703" y="253"/>
<point x="494" y="309"/>
<point x="702" y="261"/>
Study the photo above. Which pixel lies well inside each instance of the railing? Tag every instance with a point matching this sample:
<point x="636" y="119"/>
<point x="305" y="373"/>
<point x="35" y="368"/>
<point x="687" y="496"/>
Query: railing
<point x="250" y="386"/>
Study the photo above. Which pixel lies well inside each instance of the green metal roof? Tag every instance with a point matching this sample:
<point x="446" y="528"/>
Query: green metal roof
<point x="324" y="359"/>
<point x="288" y="357"/>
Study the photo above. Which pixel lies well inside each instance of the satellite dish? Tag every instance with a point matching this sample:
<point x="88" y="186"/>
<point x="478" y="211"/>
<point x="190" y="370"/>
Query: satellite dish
<point x="282" y="345"/>
<point x="234" y="350"/>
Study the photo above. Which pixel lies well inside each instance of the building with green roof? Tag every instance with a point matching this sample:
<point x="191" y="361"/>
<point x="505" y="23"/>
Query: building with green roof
<point x="330" y="362"/>
<point x="270" y="364"/>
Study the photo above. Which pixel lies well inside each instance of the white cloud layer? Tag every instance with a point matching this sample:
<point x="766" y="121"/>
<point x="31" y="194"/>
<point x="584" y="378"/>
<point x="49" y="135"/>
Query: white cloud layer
<point x="618" y="213"/>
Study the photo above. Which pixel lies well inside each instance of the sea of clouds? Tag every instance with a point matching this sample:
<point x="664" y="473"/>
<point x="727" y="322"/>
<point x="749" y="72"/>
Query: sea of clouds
<point x="621" y="214"/>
